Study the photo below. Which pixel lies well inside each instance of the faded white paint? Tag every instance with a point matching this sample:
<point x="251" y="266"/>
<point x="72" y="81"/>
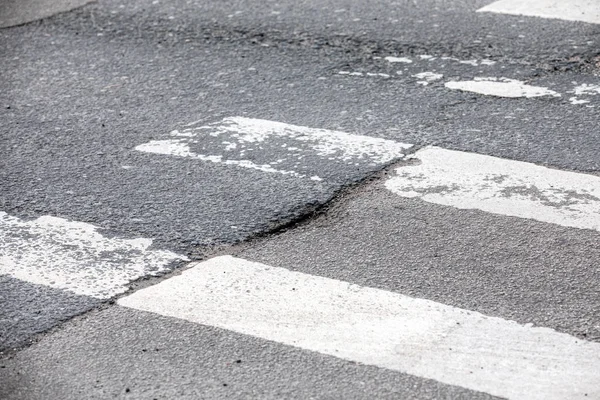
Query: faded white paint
<point x="586" y="90"/>
<point x="180" y="148"/>
<point x="500" y="186"/>
<point x="399" y="60"/>
<point x="376" y="327"/>
<point x="427" y="77"/>
<point x="350" y="73"/>
<point x="570" y="10"/>
<point x="474" y="63"/>
<point x="576" y="101"/>
<point x="378" y="74"/>
<point x="74" y="256"/>
<point x="238" y="136"/>
<point x="502" y="87"/>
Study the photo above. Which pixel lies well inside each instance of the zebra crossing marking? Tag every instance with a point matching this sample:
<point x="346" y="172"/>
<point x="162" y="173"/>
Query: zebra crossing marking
<point x="500" y="186"/>
<point x="275" y="147"/>
<point x="502" y="87"/>
<point x="570" y="10"/>
<point x="377" y="327"/>
<point x="75" y="256"/>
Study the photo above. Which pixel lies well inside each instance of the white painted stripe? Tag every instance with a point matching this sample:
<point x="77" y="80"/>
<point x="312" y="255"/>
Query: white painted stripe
<point x="575" y="100"/>
<point x="502" y="87"/>
<point x="233" y="139"/>
<point x="399" y="60"/>
<point x="499" y="186"/>
<point x="74" y="256"/>
<point x="376" y="327"/>
<point x="570" y="10"/>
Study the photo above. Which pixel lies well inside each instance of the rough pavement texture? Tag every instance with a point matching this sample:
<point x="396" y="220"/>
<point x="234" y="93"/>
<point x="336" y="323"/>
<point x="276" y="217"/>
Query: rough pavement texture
<point x="118" y="353"/>
<point x="79" y="90"/>
<point x="517" y="269"/>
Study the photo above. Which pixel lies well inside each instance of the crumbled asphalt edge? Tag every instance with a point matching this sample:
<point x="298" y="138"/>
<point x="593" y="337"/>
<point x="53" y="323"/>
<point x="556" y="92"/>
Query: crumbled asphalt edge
<point x="140" y="26"/>
<point x="313" y="213"/>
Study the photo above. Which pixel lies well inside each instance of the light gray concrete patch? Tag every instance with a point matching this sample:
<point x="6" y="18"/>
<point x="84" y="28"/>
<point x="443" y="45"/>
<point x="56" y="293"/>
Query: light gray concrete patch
<point x="123" y="353"/>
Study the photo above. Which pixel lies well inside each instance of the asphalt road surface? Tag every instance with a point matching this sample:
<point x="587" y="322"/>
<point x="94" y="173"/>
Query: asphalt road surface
<point x="318" y="199"/>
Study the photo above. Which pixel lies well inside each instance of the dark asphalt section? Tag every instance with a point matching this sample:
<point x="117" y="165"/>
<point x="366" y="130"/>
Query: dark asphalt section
<point x="75" y="118"/>
<point x="123" y="353"/>
<point x="512" y="268"/>
<point x="76" y="104"/>
<point x="26" y="309"/>
<point x="438" y="27"/>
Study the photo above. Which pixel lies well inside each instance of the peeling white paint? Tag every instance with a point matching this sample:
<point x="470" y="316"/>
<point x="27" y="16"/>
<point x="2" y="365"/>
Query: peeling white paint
<point x="427" y="77"/>
<point x="575" y="101"/>
<point x="180" y="148"/>
<point x="378" y="74"/>
<point x="499" y="186"/>
<point x="586" y="89"/>
<point x="570" y="10"/>
<point x="75" y="256"/>
<point x="469" y="62"/>
<point x="376" y="327"/>
<point x="502" y="87"/>
<point x="350" y="73"/>
<point x="399" y="60"/>
<point x="293" y="148"/>
<point x="474" y="63"/>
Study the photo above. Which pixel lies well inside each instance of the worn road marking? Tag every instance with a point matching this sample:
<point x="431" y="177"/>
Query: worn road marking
<point x="586" y="89"/>
<point x="376" y="327"/>
<point x="570" y="10"/>
<point x="74" y="256"/>
<point x="502" y="87"/>
<point x="499" y="186"/>
<point x="398" y="60"/>
<point x="277" y="147"/>
<point x="427" y="77"/>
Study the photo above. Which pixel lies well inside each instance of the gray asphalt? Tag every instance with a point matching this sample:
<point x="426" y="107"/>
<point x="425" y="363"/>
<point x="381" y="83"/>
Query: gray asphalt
<point x="512" y="268"/>
<point x="80" y="89"/>
<point x="121" y="353"/>
<point x="521" y="270"/>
